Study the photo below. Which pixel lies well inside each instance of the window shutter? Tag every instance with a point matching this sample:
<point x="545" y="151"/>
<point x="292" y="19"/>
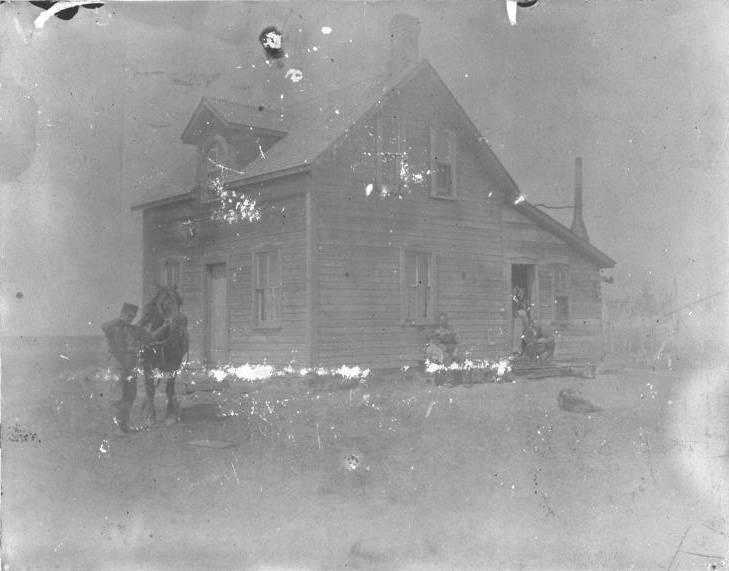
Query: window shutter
<point x="442" y="152"/>
<point x="433" y="286"/>
<point x="404" y="289"/>
<point x="452" y="155"/>
<point x="433" y="177"/>
<point x="560" y="291"/>
<point x="546" y="297"/>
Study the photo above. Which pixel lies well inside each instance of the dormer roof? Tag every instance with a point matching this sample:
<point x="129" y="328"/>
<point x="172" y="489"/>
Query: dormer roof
<point x="233" y="116"/>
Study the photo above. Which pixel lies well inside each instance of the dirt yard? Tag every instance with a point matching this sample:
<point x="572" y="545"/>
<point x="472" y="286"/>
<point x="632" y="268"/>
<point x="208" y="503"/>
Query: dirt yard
<point x="395" y="475"/>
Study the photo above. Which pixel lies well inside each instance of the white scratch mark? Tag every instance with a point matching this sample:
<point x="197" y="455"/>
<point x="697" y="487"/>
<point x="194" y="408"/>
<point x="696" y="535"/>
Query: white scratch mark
<point x="41" y="20"/>
<point x="235" y="473"/>
<point x="295" y="75"/>
<point x="318" y="437"/>
<point x="430" y="409"/>
<point x="19" y="28"/>
<point x="64" y="357"/>
<point x="511" y="8"/>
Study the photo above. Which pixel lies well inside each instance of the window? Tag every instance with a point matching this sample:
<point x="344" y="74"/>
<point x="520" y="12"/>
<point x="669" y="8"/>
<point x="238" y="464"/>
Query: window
<point x="418" y="287"/>
<point x="390" y="145"/>
<point x="215" y="157"/>
<point x="442" y="163"/>
<point x="560" y="293"/>
<point x="170" y="273"/>
<point x="267" y="280"/>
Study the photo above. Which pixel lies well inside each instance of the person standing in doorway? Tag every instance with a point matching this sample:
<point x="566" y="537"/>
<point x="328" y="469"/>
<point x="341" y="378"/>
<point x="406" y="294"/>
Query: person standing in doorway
<point x="520" y="313"/>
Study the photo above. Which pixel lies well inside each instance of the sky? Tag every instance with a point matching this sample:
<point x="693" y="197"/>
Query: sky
<point x="92" y="110"/>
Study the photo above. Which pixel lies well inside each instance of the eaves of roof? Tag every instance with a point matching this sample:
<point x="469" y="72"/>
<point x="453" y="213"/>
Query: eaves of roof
<point x="168" y="201"/>
<point x="561" y="231"/>
<point x="291" y="156"/>
<point x="232" y="114"/>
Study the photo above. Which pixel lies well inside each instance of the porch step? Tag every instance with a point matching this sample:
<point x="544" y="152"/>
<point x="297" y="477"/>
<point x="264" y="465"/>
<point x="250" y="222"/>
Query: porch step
<point x="562" y="368"/>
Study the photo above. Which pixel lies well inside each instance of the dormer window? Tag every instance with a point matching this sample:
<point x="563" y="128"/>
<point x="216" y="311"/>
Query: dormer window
<point x="442" y="163"/>
<point x="215" y="158"/>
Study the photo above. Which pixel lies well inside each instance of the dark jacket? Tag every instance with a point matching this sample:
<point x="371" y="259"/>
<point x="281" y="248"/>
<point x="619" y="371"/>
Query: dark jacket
<point x="124" y="342"/>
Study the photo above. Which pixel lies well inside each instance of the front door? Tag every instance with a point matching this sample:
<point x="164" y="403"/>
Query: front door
<point x="216" y="322"/>
<point x="523" y="277"/>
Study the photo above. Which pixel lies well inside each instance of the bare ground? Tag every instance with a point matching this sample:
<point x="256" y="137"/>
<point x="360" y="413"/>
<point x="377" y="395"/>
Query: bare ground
<point x="394" y="475"/>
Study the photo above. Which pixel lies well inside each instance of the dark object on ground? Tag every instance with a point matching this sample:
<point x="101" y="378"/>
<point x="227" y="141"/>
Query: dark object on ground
<point x="359" y="557"/>
<point x="529" y="369"/>
<point x="199" y="412"/>
<point x="329" y="383"/>
<point x="569" y="401"/>
<point x="205" y="385"/>
<point x="467" y="378"/>
<point x="212" y="443"/>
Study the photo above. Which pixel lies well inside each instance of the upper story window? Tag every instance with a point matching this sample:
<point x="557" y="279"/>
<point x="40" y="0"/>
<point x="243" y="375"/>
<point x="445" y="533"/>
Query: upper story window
<point x="390" y="150"/>
<point x="170" y="272"/>
<point x="267" y="286"/>
<point x="215" y="157"/>
<point x="442" y="163"/>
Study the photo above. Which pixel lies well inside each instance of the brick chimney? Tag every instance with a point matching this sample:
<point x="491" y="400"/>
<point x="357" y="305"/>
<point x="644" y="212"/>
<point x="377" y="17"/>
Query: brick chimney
<point x="578" y="224"/>
<point x="404" y="33"/>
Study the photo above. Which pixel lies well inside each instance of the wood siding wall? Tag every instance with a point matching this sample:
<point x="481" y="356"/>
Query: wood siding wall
<point x="341" y="273"/>
<point x="359" y="240"/>
<point x="166" y="233"/>
<point x="581" y="335"/>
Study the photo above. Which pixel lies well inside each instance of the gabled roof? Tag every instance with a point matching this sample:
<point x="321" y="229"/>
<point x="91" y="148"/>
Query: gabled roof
<point x="313" y="126"/>
<point x="234" y="116"/>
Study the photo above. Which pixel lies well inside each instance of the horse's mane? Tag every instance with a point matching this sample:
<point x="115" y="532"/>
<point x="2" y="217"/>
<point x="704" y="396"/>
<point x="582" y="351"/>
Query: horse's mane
<point x="169" y="352"/>
<point x="151" y="313"/>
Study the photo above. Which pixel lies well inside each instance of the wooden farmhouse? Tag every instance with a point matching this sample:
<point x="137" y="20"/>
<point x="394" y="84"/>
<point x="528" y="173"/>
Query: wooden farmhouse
<point x="381" y="205"/>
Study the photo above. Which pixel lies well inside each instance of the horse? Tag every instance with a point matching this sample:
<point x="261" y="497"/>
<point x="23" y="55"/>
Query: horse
<point x="162" y="358"/>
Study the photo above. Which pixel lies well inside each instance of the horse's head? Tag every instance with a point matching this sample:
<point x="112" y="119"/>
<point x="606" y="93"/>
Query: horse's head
<point x="166" y="301"/>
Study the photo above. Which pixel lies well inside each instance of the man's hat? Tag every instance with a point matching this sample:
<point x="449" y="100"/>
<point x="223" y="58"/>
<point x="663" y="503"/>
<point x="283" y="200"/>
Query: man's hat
<point x="129" y="308"/>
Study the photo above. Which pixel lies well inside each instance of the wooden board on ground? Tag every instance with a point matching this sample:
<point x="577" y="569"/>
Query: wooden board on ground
<point x="212" y="443"/>
<point x="542" y="370"/>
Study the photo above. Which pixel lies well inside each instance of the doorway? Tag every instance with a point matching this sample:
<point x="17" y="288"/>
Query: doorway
<point x="216" y="322"/>
<point x="522" y="276"/>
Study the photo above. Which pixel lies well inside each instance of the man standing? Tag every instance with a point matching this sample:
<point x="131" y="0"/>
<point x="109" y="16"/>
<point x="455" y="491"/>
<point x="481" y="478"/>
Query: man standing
<point x="519" y="311"/>
<point x="124" y="341"/>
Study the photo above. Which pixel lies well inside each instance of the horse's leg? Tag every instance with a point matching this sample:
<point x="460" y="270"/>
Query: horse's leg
<point x="128" y="394"/>
<point x="173" y="407"/>
<point x="148" y="411"/>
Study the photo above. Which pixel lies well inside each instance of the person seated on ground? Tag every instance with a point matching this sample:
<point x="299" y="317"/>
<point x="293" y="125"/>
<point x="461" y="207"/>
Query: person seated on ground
<point x="536" y="344"/>
<point x="442" y="343"/>
<point x="442" y="349"/>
